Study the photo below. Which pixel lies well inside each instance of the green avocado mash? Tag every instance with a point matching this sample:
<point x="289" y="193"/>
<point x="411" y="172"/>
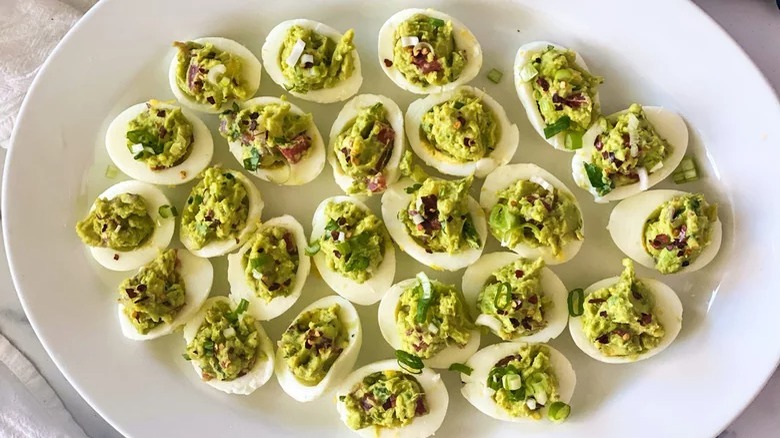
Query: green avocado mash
<point x="164" y="135"/>
<point x="525" y="382"/>
<point x="389" y="399"/>
<point x="209" y="75"/>
<point x="434" y="59"/>
<point x="563" y="90"/>
<point x="411" y="170"/>
<point x="313" y="343"/>
<point x="227" y="344"/>
<point x="626" y="145"/>
<point x="462" y="129"/>
<point x="677" y="232"/>
<point x="427" y="327"/>
<point x="121" y="223"/>
<point x="155" y="294"/>
<point x="363" y="149"/>
<point x="270" y="135"/>
<point x="216" y="209"/>
<point x="323" y="64"/>
<point x="354" y="241"/>
<point x="271" y="263"/>
<point x="438" y="216"/>
<point x="529" y="214"/>
<point x="513" y="295"/>
<point x="619" y="319"/>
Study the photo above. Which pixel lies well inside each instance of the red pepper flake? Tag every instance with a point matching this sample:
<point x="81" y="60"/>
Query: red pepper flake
<point x="519" y="273"/>
<point x="388" y="63"/>
<point x="116" y="256"/>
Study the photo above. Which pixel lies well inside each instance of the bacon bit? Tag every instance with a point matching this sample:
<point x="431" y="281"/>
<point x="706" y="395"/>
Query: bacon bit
<point x="546" y="205"/>
<point x="141" y="288"/>
<point x="573" y="101"/>
<point x="131" y="293"/>
<point x="514" y="322"/>
<point x="470" y="142"/>
<point x="384" y="158"/>
<point x="533" y="299"/>
<point x="682" y="233"/>
<point x="297" y="147"/>
<point x="377" y="183"/>
<point x="365" y="404"/>
<point x="660" y="241"/>
<point x="421" y="61"/>
<point x="192" y="74"/>
<point x="420" y="408"/>
<point x="603" y="339"/>
<point x="274" y="286"/>
<point x="334" y="234"/>
<point x="211" y="100"/>
<point x="292" y="248"/>
<point x="626" y="140"/>
<point x="598" y="144"/>
<point x="162" y="131"/>
<point x="252" y="125"/>
<point x="596" y="300"/>
<point x="116" y="256"/>
<point x="603" y="313"/>
<point x="542" y="82"/>
<point x="386" y="134"/>
<point x="527" y="323"/>
<point x="429" y="203"/>
<point x="645" y="319"/>
<point x="506" y="360"/>
<point x="337" y="254"/>
<point x="519" y="273"/>
<point x="388" y="63"/>
<point x="389" y="403"/>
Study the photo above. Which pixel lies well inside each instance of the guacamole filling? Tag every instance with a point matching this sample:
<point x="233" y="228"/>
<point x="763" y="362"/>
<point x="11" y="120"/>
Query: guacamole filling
<point x="354" y="241"/>
<point x="429" y="323"/>
<point x="677" y="232"/>
<point x="626" y="148"/>
<point x="271" y="263"/>
<point x="438" y="216"/>
<point x="208" y="75"/>
<point x="619" y="319"/>
<point x="270" y="135"/>
<point x="363" y="149"/>
<point x="535" y="214"/>
<point x="463" y="128"/>
<point x="312" y="61"/>
<point x="564" y="93"/>
<point x="160" y="137"/>
<point x="425" y="51"/>
<point x="155" y="294"/>
<point x="121" y="223"/>
<point x="388" y="399"/>
<point x="216" y="209"/>
<point x="227" y="343"/>
<point x="525" y="382"/>
<point x="513" y="295"/>
<point x="313" y="342"/>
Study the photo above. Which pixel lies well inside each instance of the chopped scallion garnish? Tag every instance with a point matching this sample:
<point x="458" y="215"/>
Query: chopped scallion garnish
<point x="312" y="249"/>
<point x="503" y="296"/>
<point x="167" y="211"/>
<point x="558" y="412"/>
<point x="559" y="126"/>
<point x="495" y="76"/>
<point x="111" y="171"/>
<point x="687" y="171"/>
<point x="409" y="362"/>
<point x="425" y="298"/>
<point x="412" y="188"/>
<point x="528" y="72"/>
<point x="186" y="356"/>
<point x="436" y="22"/>
<point x="461" y="368"/>
<point x="573" y="140"/>
<point x="242" y="306"/>
<point x="576" y="302"/>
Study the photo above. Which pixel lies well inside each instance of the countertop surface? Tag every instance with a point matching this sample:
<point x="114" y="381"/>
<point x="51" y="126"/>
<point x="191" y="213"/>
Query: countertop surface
<point x="754" y="24"/>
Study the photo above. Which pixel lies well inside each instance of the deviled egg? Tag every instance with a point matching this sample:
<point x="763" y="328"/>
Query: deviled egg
<point x="207" y="74"/>
<point x="629" y="152"/>
<point x="518" y="299"/>
<point x="558" y="92"/>
<point x="271" y="268"/>
<point x="366" y="145"/>
<point x="127" y="225"/>
<point x="313" y="61"/>
<point x="274" y="140"/>
<point x="520" y="382"/>
<point x="668" y="230"/>
<point x="430" y="320"/>
<point x="159" y="143"/>
<point x="354" y="253"/>
<point x="164" y="294"/>
<point x="228" y="347"/>
<point x="382" y="400"/>
<point x="220" y="213"/>
<point x="461" y="132"/>
<point x="533" y="213"/>
<point x="319" y="348"/>
<point x="436" y="222"/>
<point x="426" y="51"/>
<point x="626" y="319"/>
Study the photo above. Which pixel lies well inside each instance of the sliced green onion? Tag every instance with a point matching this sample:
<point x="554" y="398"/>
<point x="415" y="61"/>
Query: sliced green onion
<point x="342" y="398"/>
<point x="111" y="171"/>
<point x="461" y="368"/>
<point x="495" y="76"/>
<point x="559" y="126"/>
<point x="687" y="171"/>
<point x="558" y="412"/>
<point x="573" y="140"/>
<point x="332" y="225"/>
<point x="242" y="306"/>
<point x="412" y="188"/>
<point x="512" y="382"/>
<point x="312" y="249"/>
<point x="563" y="74"/>
<point x="425" y="299"/>
<point x="576" y="302"/>
<point x="409" y="362"/>
<point x="208" y="345"/>
<point x="458" y="105"/>
<point x="596" y="178"/>
<point x="186" y="356"/>
<point x="528" y="72"/>
<point x="436" y="22"/>
<point x="167" y="211"/>
<point x="504" y="291"/>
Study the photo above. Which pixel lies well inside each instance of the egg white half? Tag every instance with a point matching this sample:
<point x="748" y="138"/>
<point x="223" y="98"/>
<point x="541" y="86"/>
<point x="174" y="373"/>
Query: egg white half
<point x="557" y="315"/>
<point x="260" y="372"/>
<point x="347" y="115"/>
<point x="198" y="275"/>
<point x="504" y="149"/>
<point x="251" y="72"/>
<point x="668" y="309"/>
<point x="368" y="292"/>
<point x="426" y="425"/>
<point x="160" y="238"/>
<point x="341" y="366"/>
<point x="668" y="124"/>
<point x="273" y="46"/>
<point x="525" y="90"/>
<point x="627" y="223"/>
<point x="396" y="199"/>
<point x="464" y="40"/>
<point x="507" y="175"/>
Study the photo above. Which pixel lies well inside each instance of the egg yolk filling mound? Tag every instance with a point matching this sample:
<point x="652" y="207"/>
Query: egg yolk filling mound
<point x="209" y="75"/>
<point x="389" y="399"/>
<point x="322" y="62"/>
<point x="121" y="223"/>
<point x="677" y="232"/>
<point x="160" y="137"/>
<point x="216" y="209"/>
<point x="425" y="51"/>
<point x="313" y="342"/>
<point x="271" y="263"/>
<point x="364" y="147"/>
